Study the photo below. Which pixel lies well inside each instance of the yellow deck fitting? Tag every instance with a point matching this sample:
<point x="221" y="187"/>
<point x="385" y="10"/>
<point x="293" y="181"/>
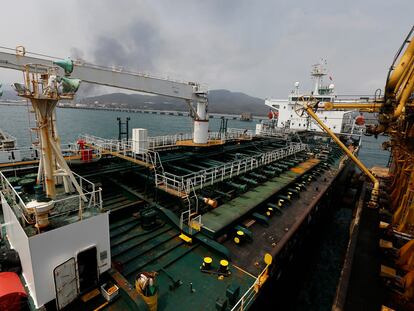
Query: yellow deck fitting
<point x="383" y="225"/>
<point x="224" y="266"/>
<point x="388" y="272"/>
<point x="186" y="238"/>
<point x="195" y="225"/>
<point x="238" y="238"/>
<point x="385" y="244"/>
<point x="92" y="294"/>
<point x="210" y="143"/>
<point x="207" y="261"/>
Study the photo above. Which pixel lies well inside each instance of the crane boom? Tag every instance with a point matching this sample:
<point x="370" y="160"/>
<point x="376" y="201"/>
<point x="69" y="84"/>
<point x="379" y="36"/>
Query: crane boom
<point x="112" y="77"/>
<point x="187" y="91"/>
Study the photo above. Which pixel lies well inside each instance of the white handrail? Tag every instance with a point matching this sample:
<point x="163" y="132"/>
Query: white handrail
<point x="158" y="142"/>
<point x="93" y="195"/>
<point x="248" y="297"/>
<point x="212" y="175"/>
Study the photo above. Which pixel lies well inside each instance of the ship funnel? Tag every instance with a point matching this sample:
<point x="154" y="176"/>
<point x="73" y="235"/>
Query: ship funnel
<point x="65" y="64"/>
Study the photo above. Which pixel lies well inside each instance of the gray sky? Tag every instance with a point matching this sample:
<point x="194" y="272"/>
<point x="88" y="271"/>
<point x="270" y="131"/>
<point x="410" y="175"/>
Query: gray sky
<point x="257" y="47"/>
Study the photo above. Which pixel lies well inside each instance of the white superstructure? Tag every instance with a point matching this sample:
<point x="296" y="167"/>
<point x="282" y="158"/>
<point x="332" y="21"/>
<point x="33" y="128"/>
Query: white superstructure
<point x="288" y="118"/>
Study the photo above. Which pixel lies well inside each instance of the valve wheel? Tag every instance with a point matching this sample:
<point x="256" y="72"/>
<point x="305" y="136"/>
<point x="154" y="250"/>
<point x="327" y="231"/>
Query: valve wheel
<point x="301" y="104"/>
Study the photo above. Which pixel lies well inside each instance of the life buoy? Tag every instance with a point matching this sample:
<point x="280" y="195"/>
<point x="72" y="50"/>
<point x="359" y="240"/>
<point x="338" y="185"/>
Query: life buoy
<point x="273" y="115"/>
<point x="360" y="120"/>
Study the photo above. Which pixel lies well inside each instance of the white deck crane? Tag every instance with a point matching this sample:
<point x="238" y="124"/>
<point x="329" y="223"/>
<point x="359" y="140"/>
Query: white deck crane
<point x="190" y="92"/>
<point x="46" y="77"/>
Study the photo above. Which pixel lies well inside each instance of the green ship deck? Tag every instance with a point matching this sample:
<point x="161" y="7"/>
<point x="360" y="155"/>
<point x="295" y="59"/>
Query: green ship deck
<point x="137" y="245"/>
<point x="215" y="221"/>
<point x="178" y="265"/>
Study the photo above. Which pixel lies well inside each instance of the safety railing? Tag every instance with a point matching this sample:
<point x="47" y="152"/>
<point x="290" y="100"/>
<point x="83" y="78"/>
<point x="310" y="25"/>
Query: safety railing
<point x="270" y="131"/>
<point x="159" y="142"/>
<point x="249" y="296"/>
<point x="63" y="205"/>
<point x="26" y="154"/>
<point x="235" y="133"/>
<point x="200" y="179"/>
<point x="125" y="147"/>
<point x="12" y="197"/>
<point x="18" y="155"/>
<point x="122" y="148"/>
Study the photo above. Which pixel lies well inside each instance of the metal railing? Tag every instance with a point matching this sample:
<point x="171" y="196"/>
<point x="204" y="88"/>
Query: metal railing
<point x="159" y="142"/>
<point x="27" y="154"/>
<point x="240" y="132"/>
<point x="19" y="154"/>
<point x="121" y="148"/>
<point x="192" y="210"/>
<point x="182" y="184"/>
<point x="63" y="205"/>
<point x="125" y="147"/>
<point x="276" y="132"/>
<point x="249" y="296"/>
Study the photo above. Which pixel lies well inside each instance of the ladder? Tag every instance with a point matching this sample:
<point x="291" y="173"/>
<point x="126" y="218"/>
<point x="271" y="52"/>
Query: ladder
<point x="155" y="160"/>
<point x="33" y="130"/>
<point x="190" y="216"/>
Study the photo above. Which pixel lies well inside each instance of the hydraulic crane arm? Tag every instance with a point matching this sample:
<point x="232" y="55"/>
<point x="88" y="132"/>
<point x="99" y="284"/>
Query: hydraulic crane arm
<point x="112" y="77"/>
<point x="187" y="91"/>
<point x="366" y="107"/>
<point x="375" y="190"/>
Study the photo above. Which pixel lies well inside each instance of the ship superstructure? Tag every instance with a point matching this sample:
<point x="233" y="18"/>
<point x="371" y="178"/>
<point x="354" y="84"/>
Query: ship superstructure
<point x="339" y="121"/>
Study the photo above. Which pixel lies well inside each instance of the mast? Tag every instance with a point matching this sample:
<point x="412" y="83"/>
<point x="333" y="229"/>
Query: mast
<point x="44" y="88"/>
<point x="317" y="73"/>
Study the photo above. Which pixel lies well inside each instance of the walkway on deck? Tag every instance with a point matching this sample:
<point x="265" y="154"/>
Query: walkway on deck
<point x="218" y="219"/>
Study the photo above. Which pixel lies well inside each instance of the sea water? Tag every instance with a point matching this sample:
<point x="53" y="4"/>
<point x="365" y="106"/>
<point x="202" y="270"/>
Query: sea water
<point x="102" y="123"/>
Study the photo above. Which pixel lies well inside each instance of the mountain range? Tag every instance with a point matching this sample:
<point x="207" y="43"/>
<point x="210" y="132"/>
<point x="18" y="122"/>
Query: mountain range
<point x="220" y="101"/>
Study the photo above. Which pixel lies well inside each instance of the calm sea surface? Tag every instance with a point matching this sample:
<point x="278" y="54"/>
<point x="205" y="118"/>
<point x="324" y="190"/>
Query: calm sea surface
<point x="72" y="122"/>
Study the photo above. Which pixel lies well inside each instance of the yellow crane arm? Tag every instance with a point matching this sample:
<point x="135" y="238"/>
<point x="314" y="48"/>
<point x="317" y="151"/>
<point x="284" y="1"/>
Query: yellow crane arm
<point x="363" y="168"/>
<point x="368" y="107"/>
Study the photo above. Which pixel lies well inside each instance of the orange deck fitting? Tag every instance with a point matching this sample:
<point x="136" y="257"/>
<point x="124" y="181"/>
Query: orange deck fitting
<point x="172" y="191"/>
<point x="210" y="143"/>
<point x="122" y="156"/>
<point x="67" y="158"/>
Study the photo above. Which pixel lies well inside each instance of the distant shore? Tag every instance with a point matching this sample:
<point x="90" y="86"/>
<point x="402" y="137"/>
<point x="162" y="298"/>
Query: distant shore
<point x="9" y="103"/>
<point x="164" y="112"/>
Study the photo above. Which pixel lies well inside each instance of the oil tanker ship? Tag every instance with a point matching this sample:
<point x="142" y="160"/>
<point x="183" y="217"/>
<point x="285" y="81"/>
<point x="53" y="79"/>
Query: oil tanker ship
<point x="202" y="221"/>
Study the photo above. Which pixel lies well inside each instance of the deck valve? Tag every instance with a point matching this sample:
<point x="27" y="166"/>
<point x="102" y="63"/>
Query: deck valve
<point x="211" y="202"/>
<point x="239" y="238"/>
<point x="224" y="266"/>
<point x="206" y="263"/>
